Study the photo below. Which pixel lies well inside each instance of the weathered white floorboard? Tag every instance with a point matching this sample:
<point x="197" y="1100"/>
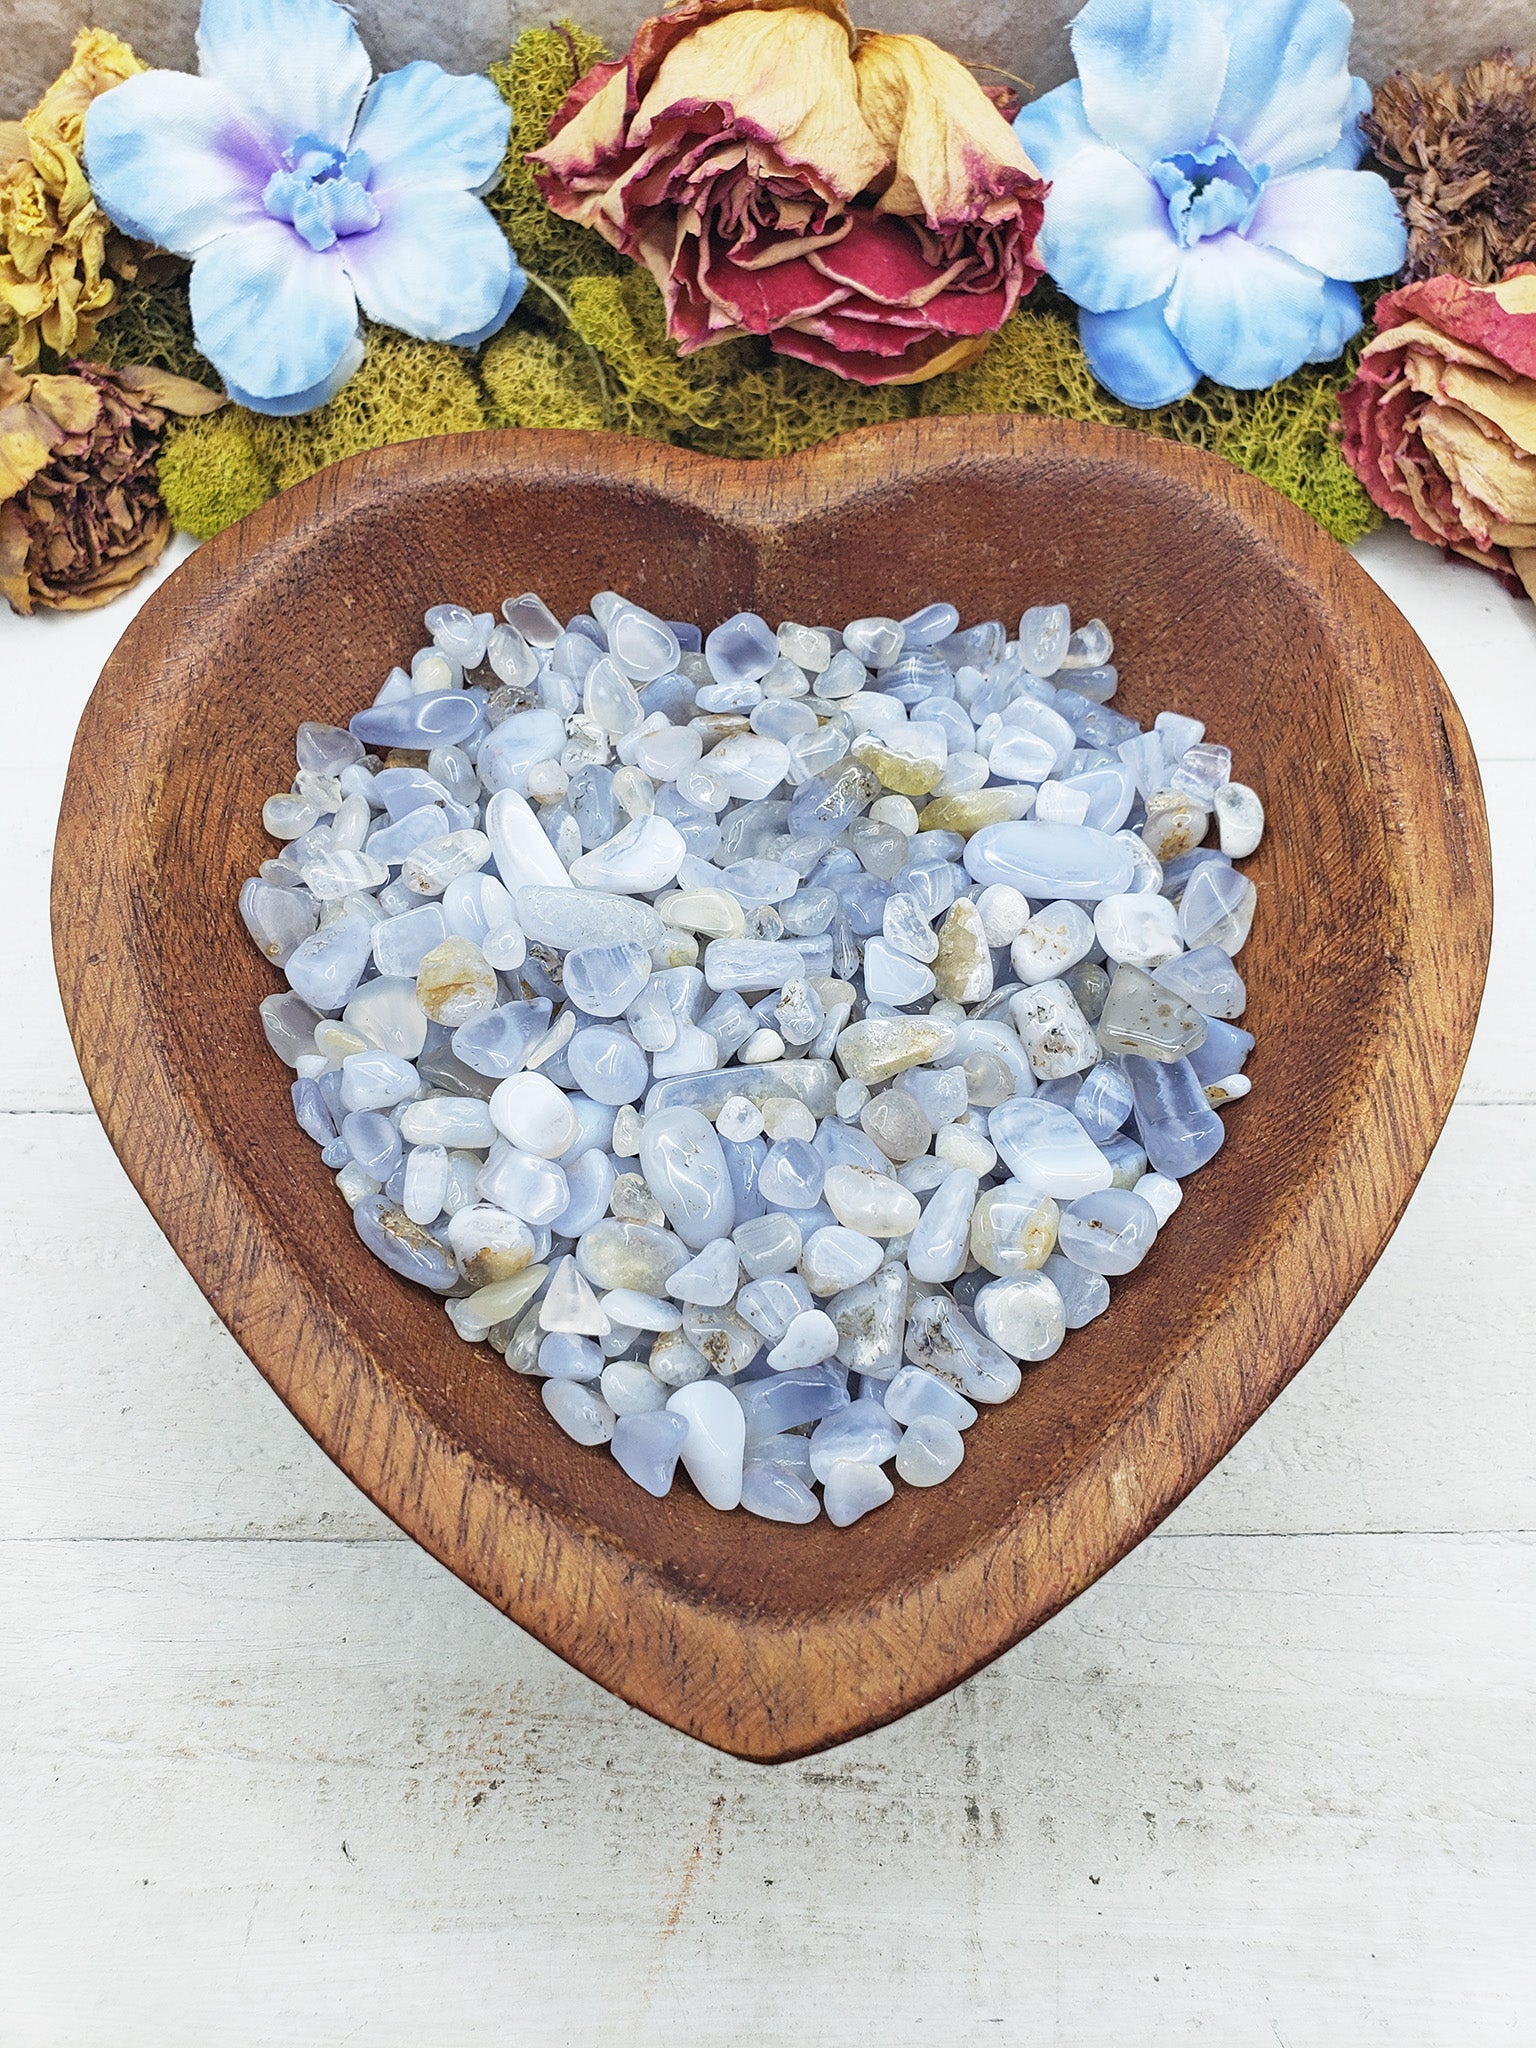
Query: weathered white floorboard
<point x="1244" y="1790"/>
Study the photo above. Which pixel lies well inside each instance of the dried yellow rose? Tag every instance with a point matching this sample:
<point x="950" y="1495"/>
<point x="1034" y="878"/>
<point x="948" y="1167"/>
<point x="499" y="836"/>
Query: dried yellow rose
<point x="59" y="254"/>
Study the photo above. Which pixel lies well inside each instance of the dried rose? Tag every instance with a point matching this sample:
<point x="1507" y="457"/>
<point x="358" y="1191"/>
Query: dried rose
<point x="1440" y="423"/>
<point x="855" y="197"/>
<point x="80" y="511"/>
<point x="59" y="254"/>
<point x="1465" y="149"/>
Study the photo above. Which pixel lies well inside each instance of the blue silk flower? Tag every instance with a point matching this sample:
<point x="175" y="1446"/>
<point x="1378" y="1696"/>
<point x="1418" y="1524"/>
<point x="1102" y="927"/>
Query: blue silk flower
<point x="302" y="191"/>
<point x="1205" y="209"/>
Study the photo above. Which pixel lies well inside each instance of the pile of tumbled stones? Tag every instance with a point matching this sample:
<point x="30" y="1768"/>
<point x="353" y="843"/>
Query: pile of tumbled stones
<point x="770" y="1040"/>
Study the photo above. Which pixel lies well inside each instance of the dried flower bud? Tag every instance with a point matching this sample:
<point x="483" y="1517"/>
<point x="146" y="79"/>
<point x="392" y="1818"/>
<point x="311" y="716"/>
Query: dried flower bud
<point x="80" y="510"/>
<point x="1465" y="149"/>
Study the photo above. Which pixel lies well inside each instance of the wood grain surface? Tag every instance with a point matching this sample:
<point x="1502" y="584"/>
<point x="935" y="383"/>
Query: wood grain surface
<point x="1364" y="973"/>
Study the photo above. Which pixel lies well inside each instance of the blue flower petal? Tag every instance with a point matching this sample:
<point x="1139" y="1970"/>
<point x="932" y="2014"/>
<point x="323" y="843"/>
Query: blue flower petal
<point x="1342" y="321"/>
<point x="1351" y="145"/>
<point x="1106" y="239"/>
<point x="1245" y="315"/>
<point x="420" y="126"/>
<point x="1151" y="73"/>
<point x="1054" y="128"/>
<point x="1343" y="223"/>
<point x="511" y="298"/>
<point x="271" y="314"/>
<point x="298" y="66"/>
<point x="1133" y="355"/>
<point x="351" y="361"/>
<point x="1288" y="88"/>
<point x="437" y="265"/>
<point x="172" y="161"/>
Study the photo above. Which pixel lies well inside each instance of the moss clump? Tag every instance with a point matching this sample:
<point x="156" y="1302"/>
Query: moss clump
<point x="541" y="68"/>
<point x="533" y="380"/>
<point x="405" y="390"/>
<point x="738" y="399"/>
<point x="1284" y="435"/>
<point x="153" y="326"/>
<point x="1035" y="365"/>
<point x="212" y="472"/>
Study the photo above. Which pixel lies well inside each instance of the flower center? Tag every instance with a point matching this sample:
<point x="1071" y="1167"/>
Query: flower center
<point x="322" y="192"/>
<point x="1209" y="190"/>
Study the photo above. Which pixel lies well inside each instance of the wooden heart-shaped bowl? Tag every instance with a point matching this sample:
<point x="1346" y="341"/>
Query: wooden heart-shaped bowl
<point x="1364" y="973"/>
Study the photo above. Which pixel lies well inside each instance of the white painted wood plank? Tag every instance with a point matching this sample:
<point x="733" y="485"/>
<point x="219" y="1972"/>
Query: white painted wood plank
<point x="1246" y="1791"/>
<point x="132" y="1413"/>
<point x="1500" y="1067"/>
<point x="48" y="667"/>
<point x="1483" y="640"/>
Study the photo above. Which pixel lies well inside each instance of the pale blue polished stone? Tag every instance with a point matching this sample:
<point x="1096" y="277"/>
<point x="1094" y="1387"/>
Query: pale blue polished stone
<point x="326" y="967"/>
<point x="376" y="1080"/>
<point x="647" y="1448"/>
<point x="495" y="1045"/>
<point x="928" y="626"/>
<point x="1102" y="1100"/>
<point x="777" y="1493"/>
<point x="913" y="1392"/>
<point x="1073" y="863"/>
<point x="771" y="1303"/>
<point x="277" y="919"/>
<point x="580" y="1411"/>
<point x="754" y="963"/>
<point x="787" y="1399"/>
<point x="563" y="1355"/>
<point x="1207" y="979"/>
<point x="590" y="1178"/>
<point x="1048" y="1148"/>
<point x="515" y="745"/>
<point x="681" y="1159"/>
<point x="862" y="1432"/>
<point x="607" y="1064"/>
<point x="1110" y="792"/>
<point x="312" y="1113"/>
<point x="403" y="790"/>
<point x="1178" y="1126"/>
<point x="604" y="980"/>
<point x="744" y="1163"/>
<point x="1223" y="1051"/>
<point x="851" y="1489"/>
<point x="791" y="1175"/>
<point x="1109" y="1233"/>
<point x="435" y="718"/>
<point x="400" y="944"/>
<point x="1084" y="1295"/>
<point x="940" y="1242"/>
<point x="403" y="1246"/>
<point x="741" y="649"/>
<point x="827" y="804"/>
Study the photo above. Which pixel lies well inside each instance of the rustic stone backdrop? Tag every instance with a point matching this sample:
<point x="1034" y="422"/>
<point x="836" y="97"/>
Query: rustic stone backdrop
<point x="1029" y="40"/>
